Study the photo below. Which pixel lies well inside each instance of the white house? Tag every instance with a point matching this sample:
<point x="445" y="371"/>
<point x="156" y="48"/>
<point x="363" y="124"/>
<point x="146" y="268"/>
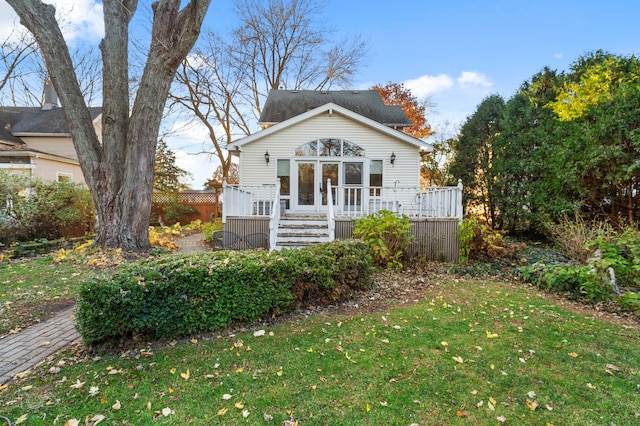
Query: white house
<point x="328" y="157"/>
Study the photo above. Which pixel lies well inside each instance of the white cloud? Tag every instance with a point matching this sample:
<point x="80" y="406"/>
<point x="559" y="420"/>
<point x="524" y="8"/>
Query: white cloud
<point x="470" y="79"/>
<point x="428" y="84"/>
<point x="558" y="55"/>
<point x="78" y="19"/>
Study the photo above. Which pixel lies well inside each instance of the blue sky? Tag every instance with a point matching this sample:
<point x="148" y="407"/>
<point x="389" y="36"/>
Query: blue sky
<point x="456" y="51"/>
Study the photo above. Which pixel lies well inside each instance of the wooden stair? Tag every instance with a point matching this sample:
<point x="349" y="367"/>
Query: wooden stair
<point x="295" y="231"/>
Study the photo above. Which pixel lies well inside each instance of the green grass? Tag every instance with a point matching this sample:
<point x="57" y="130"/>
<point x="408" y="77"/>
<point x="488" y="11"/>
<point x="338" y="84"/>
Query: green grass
<point x="29" y="287"/>
<point x="389" y="367"/>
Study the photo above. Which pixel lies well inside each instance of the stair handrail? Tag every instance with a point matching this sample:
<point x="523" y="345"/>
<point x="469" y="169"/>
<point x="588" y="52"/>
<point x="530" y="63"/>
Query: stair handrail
<point x="331" y="219"/>
<point x="274" y="220"/>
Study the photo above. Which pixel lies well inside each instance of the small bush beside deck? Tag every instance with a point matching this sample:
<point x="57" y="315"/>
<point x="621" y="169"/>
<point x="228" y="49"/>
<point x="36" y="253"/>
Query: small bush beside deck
<point x="178" y="296"/>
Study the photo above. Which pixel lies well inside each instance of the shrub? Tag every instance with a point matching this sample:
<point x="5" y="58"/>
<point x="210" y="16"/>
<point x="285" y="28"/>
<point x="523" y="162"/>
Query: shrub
<point x="589" y="276"/>
<point x="387" y="235"/>
<point x="176" y="296"/>
<point x="581" y="282"/>
<point x="33" y="209"/>
<point x="479" y="241"/>
<point x="573" y="237"/>
<point x="170" y="210"/>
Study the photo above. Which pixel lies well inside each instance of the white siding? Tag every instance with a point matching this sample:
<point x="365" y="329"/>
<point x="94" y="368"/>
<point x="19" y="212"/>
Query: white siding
<point x="377" y="146"/>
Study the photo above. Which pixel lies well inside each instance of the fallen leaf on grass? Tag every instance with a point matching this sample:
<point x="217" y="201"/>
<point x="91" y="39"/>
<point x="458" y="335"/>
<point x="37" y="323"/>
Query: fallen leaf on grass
<point x="94" y="390"/>
<point x="259" y="333"/>
<point x="21" y="419"/>
<point x="590" y="386"/>
<point x="610" y="369"/>
<point x="93" y="421"/>
<point x="72" y="422"/>
<point x="458" y="359"/>
<point x="186" y="375"/>
<point x="239" y="405"/>
<point x="227" y="396"/>
<point x="532" y="405"/>
<point x="166" y="411"/>
<point x="267" y="417"/>
<point x="116" y="406"/>
<point x="531" y="394"/>
<point x="77" y="385"/>
<point x="491" y="335"/>
<point x="461" y="414"/>
<point x="222" y="411"/>
<point x="573" y="355"/>
<point x="501" y="419"/>
<point x="245" y="413"/>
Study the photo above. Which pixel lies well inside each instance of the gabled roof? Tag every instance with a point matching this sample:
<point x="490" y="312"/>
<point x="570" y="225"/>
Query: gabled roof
<point x="35" y="120"/>
<point x="332" y="108"/>
<point x="282" y="105"/>
<point x="9" y="117"/>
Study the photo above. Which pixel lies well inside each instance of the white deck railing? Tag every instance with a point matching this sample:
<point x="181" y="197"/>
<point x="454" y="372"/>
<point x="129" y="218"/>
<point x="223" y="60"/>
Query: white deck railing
<point x="274" y="220"/>
<point x="436" y="202"/>
<point x="331" y="219"/>
<point x="248" y="200"/>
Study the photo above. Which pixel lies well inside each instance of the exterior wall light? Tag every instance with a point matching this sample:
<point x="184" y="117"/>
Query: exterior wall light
<point x="266" y="157"/>
<point x="393" y="158"/>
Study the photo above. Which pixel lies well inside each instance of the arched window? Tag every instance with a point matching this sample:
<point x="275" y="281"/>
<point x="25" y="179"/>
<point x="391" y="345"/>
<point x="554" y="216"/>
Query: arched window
<point x="327" y="147"/>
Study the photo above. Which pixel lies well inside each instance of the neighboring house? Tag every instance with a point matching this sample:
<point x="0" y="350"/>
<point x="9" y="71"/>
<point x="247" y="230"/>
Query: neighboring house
<point x="328" y="156"/>
<point x="36" y="141"/>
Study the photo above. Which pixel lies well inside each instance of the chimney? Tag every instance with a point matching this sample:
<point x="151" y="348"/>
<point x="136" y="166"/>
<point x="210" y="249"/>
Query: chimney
<point x="50" y="97"/>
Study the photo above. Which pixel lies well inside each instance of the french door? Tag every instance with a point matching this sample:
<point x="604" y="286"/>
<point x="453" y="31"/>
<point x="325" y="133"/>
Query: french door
<point x="311" y="184"/>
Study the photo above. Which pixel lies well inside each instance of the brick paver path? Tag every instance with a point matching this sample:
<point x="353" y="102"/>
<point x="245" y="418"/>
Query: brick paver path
<point x="21" y="351"/>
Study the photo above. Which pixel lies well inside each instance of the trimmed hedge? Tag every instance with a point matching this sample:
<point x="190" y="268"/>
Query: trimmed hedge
<point x="177" y="296"/>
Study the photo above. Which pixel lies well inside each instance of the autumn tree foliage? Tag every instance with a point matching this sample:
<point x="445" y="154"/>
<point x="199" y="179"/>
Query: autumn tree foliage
<point x="398" y="94"/>
<point x="565" y="143"/>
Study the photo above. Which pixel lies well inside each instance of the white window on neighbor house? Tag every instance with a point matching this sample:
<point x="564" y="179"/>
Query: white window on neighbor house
<point x="64" y="177"/>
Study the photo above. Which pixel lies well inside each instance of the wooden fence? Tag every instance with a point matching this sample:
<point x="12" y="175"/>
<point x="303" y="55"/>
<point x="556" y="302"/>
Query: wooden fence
<point x="197" y="205"/>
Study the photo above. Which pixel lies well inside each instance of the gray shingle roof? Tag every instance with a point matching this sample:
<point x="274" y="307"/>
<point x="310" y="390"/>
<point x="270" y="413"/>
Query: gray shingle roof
<point x="9" y="117"/>
<point x="282" y="105"/>
<point x="52" y="121"/>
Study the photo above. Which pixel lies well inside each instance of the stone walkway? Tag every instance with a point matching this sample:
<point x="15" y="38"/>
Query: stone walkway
<point x="22" y="351"/>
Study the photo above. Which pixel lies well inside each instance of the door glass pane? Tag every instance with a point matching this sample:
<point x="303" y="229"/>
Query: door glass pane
<point x="329" y="171"/>
<point x="375" y="177"/>
<point x="306" y="184"/>
<point x="283" y="174"/>
<point x="353" y="186"/>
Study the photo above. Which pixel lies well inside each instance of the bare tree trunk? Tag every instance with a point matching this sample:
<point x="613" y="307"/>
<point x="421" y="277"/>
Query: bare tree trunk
<point x="119" y="171"/>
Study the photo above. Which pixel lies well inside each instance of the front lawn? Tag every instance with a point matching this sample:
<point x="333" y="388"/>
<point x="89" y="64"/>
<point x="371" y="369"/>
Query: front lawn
<point x="33" y="288"/>
<point x="455" y="352"/>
